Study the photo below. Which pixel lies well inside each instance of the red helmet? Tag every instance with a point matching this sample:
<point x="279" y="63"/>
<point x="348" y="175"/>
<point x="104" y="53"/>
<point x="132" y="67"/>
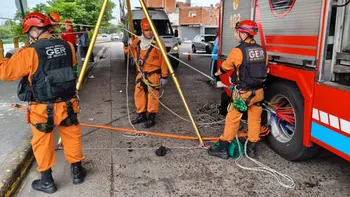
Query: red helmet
<point x="247" y="26"/>
<point x="54" y="17"/>
<point x="145" y="24"/>
<point x="35" y="19"/>
<point x="68" y="22"/>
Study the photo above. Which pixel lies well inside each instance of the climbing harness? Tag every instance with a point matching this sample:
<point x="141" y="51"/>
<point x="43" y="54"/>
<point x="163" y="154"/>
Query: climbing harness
<point x="238" y="103"/>
<point x="145" y="82"/>
<point x="49" y="125"/>
<point x="145" y="75"/>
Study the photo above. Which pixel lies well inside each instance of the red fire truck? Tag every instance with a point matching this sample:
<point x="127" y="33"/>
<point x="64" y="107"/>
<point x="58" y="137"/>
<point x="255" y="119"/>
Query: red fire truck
<point x="308" y="44"/>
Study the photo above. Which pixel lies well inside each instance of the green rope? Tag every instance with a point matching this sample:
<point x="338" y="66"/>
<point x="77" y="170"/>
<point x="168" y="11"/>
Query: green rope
<point x="239" y="104"/>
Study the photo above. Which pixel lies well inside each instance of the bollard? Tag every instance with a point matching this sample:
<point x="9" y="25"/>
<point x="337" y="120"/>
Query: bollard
<point x="26" y="43"/>
<point x="16" y="43"/>
<point x="1" y="49"/>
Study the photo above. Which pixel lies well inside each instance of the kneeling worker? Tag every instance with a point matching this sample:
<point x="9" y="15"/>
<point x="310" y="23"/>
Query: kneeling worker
<point x="249" y="62"/>
<point x="155" y="71"/>
<point x="48" y="85"/>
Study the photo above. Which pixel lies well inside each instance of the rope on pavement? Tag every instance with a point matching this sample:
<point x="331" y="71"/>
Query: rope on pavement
<point x="264" y="168"/>
<point x="137" y="133"/>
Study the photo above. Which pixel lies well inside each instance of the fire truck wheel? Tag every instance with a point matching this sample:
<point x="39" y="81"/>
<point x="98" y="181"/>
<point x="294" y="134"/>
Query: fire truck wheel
<point x="286" y="136"/>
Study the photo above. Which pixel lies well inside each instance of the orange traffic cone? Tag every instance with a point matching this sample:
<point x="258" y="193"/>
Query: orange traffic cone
<point x="189" y="56"/>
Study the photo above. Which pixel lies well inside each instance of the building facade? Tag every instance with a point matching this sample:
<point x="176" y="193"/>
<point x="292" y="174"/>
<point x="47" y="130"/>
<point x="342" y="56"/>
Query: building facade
<point x="188" y="19"/>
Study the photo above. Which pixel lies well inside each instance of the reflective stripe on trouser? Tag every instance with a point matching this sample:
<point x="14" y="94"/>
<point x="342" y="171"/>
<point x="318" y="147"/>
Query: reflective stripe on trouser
<point x="43" y="143"/>
<point x="233" y="118"/>
<point x="144" y="100"/>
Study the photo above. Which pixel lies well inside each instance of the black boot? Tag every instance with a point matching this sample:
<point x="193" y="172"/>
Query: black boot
<point x="251" y="149"/>
<point x="78" y="173"/>
<point x="46" y="184"/>
<point x="150" y="121"/>
<point x="140" y="118"/>
<point x="220" y="151"/>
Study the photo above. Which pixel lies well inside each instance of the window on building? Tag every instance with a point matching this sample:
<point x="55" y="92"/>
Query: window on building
<point x="192" y="14"/>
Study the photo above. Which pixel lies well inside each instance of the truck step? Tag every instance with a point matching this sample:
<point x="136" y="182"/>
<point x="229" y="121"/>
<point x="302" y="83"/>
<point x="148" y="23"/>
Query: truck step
<point x="343" y="56"/>
<point x="341" y="69"/>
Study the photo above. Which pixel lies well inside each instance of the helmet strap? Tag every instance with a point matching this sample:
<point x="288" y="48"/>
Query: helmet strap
<point x="249" y="36"/>
<point x="37" y="38"/>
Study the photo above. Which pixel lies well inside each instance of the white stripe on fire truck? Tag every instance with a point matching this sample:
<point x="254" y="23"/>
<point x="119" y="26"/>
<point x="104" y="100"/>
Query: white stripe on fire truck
<point x="331" y="120"/>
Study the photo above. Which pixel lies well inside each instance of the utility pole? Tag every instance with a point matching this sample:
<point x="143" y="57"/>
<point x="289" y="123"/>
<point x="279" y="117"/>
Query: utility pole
<point x="22" y="9"/>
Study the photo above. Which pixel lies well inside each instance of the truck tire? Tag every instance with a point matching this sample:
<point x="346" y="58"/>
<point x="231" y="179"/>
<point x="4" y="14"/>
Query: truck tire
<point x="193" y="49"/>
<point x="284" y="141"/>
<point x="174" y="62"/>
<point x="207" y="50"/>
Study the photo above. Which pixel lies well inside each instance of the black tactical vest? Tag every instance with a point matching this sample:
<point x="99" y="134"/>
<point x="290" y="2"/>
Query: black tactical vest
<point x="54" y="78"/>
<point x="253" y="70"/>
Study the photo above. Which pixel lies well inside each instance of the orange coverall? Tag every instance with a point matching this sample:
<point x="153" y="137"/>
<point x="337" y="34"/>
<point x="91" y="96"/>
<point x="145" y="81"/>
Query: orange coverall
<point x="25" y="62"/>
<point x="233" y="118"/>
<point x="154" y="62"/>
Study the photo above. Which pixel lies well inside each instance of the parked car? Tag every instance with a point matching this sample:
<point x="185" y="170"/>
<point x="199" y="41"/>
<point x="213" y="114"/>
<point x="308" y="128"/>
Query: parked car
<point x="179" y="40"/>
<point x="203" y="43"/>
<point x="114" y="37"/>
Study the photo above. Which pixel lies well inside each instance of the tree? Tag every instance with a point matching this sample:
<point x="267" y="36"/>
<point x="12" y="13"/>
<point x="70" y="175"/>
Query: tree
<point x="41" y="7"/>
<point x="4" y="33"/>
<point x="78" y="11"/>
<point x="120" y="27"/>
<point x="9" y="23"/>
<point x="81" y="11"/>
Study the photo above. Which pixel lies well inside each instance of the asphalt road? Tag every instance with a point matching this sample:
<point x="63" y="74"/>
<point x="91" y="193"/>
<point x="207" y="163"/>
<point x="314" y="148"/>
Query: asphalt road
<point x="120" y="164"/>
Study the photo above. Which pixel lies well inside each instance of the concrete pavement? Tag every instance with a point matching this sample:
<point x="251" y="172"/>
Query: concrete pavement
<point x="122" y="165"/>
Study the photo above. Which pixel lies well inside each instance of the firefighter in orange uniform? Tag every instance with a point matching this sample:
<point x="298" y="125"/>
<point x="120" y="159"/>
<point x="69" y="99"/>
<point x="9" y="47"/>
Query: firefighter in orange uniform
<point x="154" y="68"/>
<point x="48" y="85"/>
<point x="249" y="64"/>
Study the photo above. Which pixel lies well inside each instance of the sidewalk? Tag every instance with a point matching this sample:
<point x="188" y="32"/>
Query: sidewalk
<point x="15" y="136"/>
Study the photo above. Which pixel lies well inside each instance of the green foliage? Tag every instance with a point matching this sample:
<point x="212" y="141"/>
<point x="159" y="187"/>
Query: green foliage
<point x="41" y="7"/>
<point x="81" y="11"/>
<point x="4" y="33"/>
<point x="112" y="28"/>
<point x="78" y="11"/>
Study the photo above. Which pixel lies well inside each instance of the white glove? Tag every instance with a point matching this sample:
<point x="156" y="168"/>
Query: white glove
<point x="163" y="81"/>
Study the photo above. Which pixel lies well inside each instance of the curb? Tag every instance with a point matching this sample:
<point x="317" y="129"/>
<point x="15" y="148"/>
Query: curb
<point x="16" y="167"/>
<point x="97" y="60"/>
<point x="98" y="57"/>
